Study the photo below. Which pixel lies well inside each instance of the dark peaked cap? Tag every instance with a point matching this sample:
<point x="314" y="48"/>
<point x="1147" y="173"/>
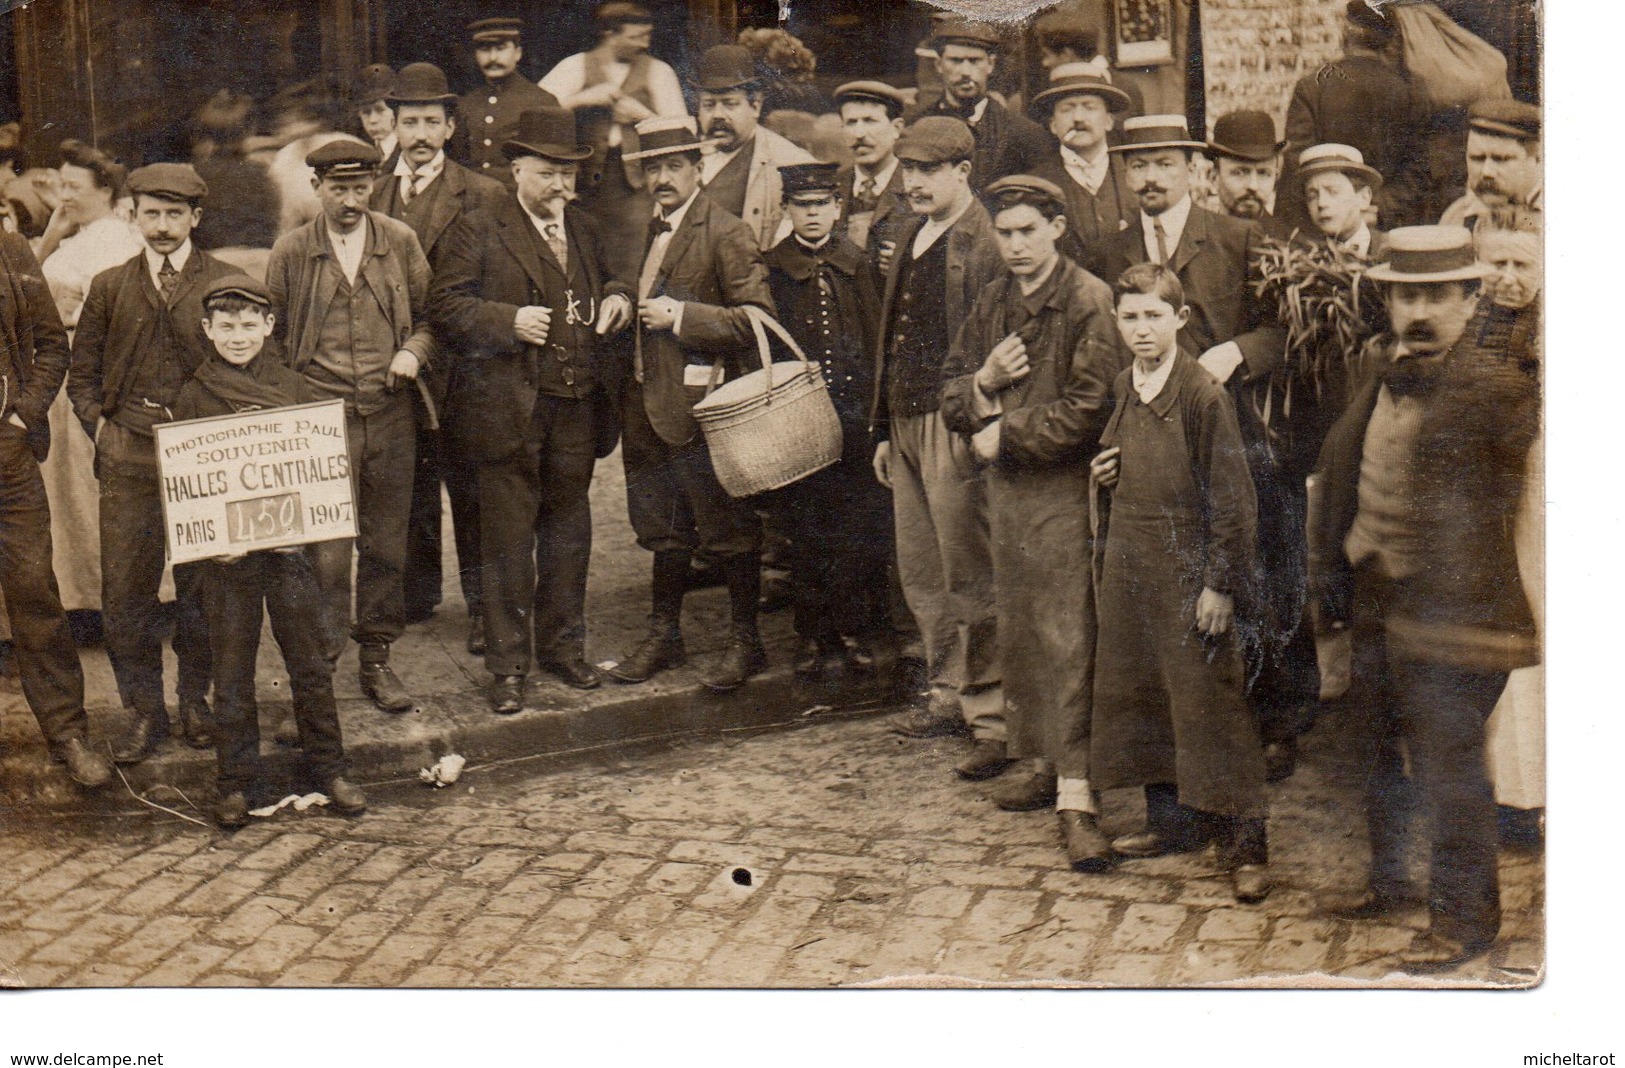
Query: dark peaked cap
<point x="178" y="181"/>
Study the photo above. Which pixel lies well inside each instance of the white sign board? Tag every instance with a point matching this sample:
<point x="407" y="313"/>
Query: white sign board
<point x="235" y="484"/>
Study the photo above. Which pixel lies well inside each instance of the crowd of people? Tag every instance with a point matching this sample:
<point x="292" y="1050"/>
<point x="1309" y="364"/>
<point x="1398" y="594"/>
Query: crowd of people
<point x="1154" y="479"/>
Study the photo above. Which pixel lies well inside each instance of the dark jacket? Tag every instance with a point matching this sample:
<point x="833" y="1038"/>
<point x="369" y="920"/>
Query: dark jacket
<point x="265" y="373"/>
<point x="892" y="213"/>
<point x="1465" y="606"/>
<point x="488" y="115"/>
<point x="1006" y="143"/>
<point x="1092" y="221"/>
<point x="488" y="267"/>
<point x="836" y="326"/>
<point x="34" y="354"/>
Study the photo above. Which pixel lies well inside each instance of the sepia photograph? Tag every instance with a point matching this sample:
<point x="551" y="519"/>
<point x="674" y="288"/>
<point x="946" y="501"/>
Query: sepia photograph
<point x="719" y="494"/>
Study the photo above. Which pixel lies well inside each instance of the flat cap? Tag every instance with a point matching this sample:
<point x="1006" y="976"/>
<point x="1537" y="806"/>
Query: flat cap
<point x="808" y="178"/>
<point x="936" y="139"/>
<point x="344" y="157"/>
<point x="1505" y="118"/>
<point x="178" y="181"/>
<point x="238" y="285"/>
<point x="1023" y="187"/>
<point x="874" y="93"/>
<point x="965" y="32"/>
<point x="491" y="31"/>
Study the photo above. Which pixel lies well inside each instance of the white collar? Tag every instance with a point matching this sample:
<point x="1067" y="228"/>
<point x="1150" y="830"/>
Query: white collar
<point x="389" y="144"/>
<point x="177" y="259"/>
<point x="1071" y="157"/>
<point x="1360" y="243"/>
<point x="933" y="229"/>
<point x="675" y="219"/>
<point x="1173" y="224"/>
<point x="882" y="177"/>
<point x="978" y="111"/>
<point x="428" y="172"/>
<point x="1149" y="386"/>
<point x="354" y="237"/>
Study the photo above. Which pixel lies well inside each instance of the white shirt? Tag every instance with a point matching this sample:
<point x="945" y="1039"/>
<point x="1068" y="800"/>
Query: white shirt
<point x="1360" y="243"/>
<point x="426" y="173"/>
<point x="712" y="162"/>
<point x="349" y="248"/>
<point x="933" y="229"/>
<point x="977" y="112"/>
<point x="1149" y="385"/>
<point x="389" y="144"/>
<point x="569" y="77"/>
<point x="657" y="254"/>
<point x="882" y="177"/>
<point x="1173" y="224"/>
<point x="542" y="224"/>
<point x="1089" y="173"/>
<point x="177" y="260"/>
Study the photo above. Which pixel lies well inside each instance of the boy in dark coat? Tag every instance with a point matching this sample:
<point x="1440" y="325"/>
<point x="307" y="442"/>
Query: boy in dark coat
<point x="1169" y="710"/>
<point x="242" y="376"/>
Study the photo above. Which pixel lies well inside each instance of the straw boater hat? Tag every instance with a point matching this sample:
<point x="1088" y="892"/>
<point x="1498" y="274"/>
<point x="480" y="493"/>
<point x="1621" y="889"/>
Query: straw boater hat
<point x="1156" y="131"/>
<point x="1344" y="158"/>
<point x="548" y="132"/>
<point x="1245" y="135"/>
<point x="664" y="134"/>
<point x="1070" y="79"/>
<point x="1429" y="254"/>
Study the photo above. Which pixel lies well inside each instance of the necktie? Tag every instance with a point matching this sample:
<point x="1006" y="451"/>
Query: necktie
<point x="1162" y="239"/>
<point x="411" y="191"/>
<point x="865" y="200"/>
<point x="166" y="280"/>
<point x="553" y="233"/>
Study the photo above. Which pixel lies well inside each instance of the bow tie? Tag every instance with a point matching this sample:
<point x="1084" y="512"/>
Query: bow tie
<point x="658" y="225"/>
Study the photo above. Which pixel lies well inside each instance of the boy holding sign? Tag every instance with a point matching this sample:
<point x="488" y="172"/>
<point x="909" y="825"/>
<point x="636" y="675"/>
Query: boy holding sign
<point x="241" y="376"/>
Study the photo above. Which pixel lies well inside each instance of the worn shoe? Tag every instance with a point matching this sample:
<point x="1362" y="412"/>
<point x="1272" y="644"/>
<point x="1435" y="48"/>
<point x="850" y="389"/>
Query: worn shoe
<point x="1280" y="760"/>
<point x="1365" y="904"/>
<point x="197" y="722"/>
<point x="1087" y="849"/>
<point x="809" y="660"/>
<point x="1027" y="793"/>
<point x="857" y="658"/>
<point x="987" y="760"/>
<point x="742" y="660"/>
<point x="508" y="694"/>
<point x="85" y="766"/>
<point x="1152" y="842"/>
<point x="574" y="672"/>
<point x="231" y="811"/>
<point x="387" y="691"/>
<point x="476" y="635"/>
<point x="933" y="718"/>
<point x="346" y="796"/>
<point x="1430" y="951"/>
<point x="776" y="595"/>
<point x="142" y="739"/>
<point x="1251" y="883"/>
<point x="654" y="654"/>
<point x="286" y="733"/>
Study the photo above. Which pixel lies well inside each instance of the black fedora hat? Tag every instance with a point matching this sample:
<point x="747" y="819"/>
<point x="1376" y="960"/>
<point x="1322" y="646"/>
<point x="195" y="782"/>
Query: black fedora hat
<point x="724" y="67"/>
<point x="1248" y="135"/>
<point x="549" y="132"/>
<point x="420" y="83"/>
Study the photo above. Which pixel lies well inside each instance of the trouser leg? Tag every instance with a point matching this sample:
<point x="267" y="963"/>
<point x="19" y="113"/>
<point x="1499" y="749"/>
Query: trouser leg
<point x="919" y="563"/>
<point x="191" y="641"/>
<point x="289" y="593"/>
<point x="132" y="541"/>
<point x="463" y="490"/>
<point x="509" y="492"/>
<point x="232" y="595"/>
<point x="1374" y="739"/>
<point x="422" y="577"/>
<point x="563" y="530"/>
<point x="656" y="505"/>
<point x="385" y="497"/>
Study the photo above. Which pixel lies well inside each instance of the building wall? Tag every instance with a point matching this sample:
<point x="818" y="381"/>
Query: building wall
<point x="1256" y="50"/>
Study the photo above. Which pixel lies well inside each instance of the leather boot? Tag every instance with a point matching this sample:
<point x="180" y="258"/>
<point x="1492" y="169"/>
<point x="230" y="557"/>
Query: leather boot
<point x="143" y="738"/>
<point x="197" y="722"/>
<point x="1087" y="848"/>
<point x="662" y="648"/>
<point x="745" y="656"/>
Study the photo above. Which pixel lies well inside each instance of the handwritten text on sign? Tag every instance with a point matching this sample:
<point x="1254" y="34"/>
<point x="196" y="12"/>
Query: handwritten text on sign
<point x="235" y="484"/>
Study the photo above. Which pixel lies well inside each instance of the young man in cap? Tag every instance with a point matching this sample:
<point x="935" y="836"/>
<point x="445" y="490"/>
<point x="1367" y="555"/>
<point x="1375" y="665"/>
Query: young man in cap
<point x="33" y="363"/>
<point x="1363" y="99"/>
<point x="740" y="170"/>
<point x="1247" y="163"/>
<point x="701" y="276"/>
<point x="611" y="88"/>
<point x="430" y="193"/>
<point x="524" y="292"/>
<point x="491" y="112"/>
<point x="1413" y="559"/>
<point x="1028" y="380"/>
<point x="350" y="291"/>
<point x="137" y="343"/>
<point x="372" y="109"/>
<point x="1006" y="143"/>
<point x="1080" y="105"/>
<point x="943" y="559"/>
<point x="1503" y="162"/>
<point x="838" y="520"/>
<point x="872" y="187"/>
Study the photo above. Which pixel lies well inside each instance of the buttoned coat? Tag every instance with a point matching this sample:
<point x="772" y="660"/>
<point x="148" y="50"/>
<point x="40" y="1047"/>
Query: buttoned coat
<point x="764" y="189"/>
<point x="892" y="213"/>
<point x="973" y="262"/>
<point x="830" y="324"/>
<point x="108" y="345"/>
<point x="488" y="268"/>
<point x="34" y="353"/>
<point x="488" y="115"/>
<point x="714" y="267"/>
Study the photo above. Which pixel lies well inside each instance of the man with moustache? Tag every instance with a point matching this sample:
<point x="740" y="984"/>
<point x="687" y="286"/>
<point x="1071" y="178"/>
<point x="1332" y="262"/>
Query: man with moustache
<point x="740" y="170"/>
<point x="349" y="290"/>
<point x="872" y="120"/>
<point x="430" y="193"/>
<point x="525" y="293"/>
<point x="1413" y="561"/>
<point x="1006" y="143"/>
<point x="1079" y="105"/>
<point x="139" y="339"/>
<point x="939" y="503"/>
<point x="491" y="112"/>
<point x="1247" y="163"/>
<point x="1503" y="163"/>
<point x="701" y="278"/>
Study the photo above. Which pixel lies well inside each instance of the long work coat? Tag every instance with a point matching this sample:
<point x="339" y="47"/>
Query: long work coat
<point x="1168" y="701"/>
<point x="1038" y="496"/>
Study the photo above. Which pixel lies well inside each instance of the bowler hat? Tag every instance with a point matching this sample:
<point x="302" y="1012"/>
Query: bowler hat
<point x="344" y="158"/>
<point x="662" y="135"/>
<point x="1345" y="158"/>
<point x="376" y="82"/>
<point x="1248" y="135"/>
<point x="1070" y="79"/>
<point x="724" y="67"/>
<point x="492" y="31"/>
<point x="961" y="31"/>
<point x="176" y="181"/>
<point x="549" y="132"/>
<point x="238" y="285"/>
<point x="808" y="178"/>
<point x="421" y="83"/>
<point x="1505" y="118"/>
<point x="936" y="139"/>
<point x="874" y="93"/>
<point x="1429" y="254"/>
<point x="1155" y="131"/>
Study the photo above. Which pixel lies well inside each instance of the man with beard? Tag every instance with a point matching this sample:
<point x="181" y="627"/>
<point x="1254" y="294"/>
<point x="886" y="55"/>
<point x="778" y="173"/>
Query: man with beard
<point x="740" y="169"/>
<point x="491" y="112"/>
<point x="1247" y="161"/>
<point x="430" y="194"/>
<point x="1006" y="143"/>
<point x="1503" y="163"/>
<point x="1079" y="105"/>
<point x="872" y="120"/>
<point x="1413" y="559"/>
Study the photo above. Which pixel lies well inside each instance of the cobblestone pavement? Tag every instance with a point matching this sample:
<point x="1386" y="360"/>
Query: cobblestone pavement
<point x="835" y="854"/>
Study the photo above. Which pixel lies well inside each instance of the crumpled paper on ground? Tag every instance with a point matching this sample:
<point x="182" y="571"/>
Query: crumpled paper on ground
<point x="299" y="804"/>
<point x="443" y="772"/>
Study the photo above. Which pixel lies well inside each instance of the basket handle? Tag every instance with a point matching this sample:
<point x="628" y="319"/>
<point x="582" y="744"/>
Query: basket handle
<point x="760" y="324"/>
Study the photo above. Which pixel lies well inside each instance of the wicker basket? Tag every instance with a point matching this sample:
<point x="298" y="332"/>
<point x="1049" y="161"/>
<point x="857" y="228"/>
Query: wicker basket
<point x="771" y="427"/>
